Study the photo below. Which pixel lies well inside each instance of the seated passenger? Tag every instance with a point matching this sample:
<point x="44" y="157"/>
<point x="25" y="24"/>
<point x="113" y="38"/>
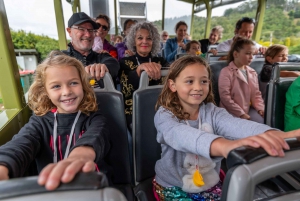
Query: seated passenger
<point x="238" y="83"/>
<point x="119" y="39"/>
<point x="66" y="134"/>
<point x="275" y="53"/>
<point x="176" y="45"/>
<point x="243" y="28"/>
<point x="195" y="134"/>
<point x="104" y="26"/>
<point x="292" y="107"/>
<point x="163" y="39"/>
<point x="121" y="47"/>
<point x="143" y="39"/>
<point x="215" y="35"/>
<point x="193" y="48"/>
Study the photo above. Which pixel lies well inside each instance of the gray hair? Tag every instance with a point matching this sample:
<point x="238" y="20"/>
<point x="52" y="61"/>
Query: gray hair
<point x="218" y="29"/>
<point x="153" y="33"/>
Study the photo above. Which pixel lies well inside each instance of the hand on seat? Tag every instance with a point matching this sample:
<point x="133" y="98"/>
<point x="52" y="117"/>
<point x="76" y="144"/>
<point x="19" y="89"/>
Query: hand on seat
<point x="96" y="70"/>
<point x="245" y="116"/>
<point x="152" y="69"/>
<point x="80" y="159"/>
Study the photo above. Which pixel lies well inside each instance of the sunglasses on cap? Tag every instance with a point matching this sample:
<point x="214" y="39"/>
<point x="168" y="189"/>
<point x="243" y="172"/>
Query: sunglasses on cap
<point x="105" y="28"/>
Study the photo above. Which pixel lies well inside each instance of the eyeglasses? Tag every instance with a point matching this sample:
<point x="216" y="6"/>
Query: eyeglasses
<point x="83" y="30"/>
<point x="105" y="28"/>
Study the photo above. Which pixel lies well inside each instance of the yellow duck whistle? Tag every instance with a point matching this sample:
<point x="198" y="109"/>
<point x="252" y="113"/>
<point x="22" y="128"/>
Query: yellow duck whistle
<point x="198" y="179"/>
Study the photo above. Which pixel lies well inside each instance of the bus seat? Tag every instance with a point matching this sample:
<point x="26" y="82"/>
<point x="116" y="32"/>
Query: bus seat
<point x="247" y="168"/>
<point x="85" y="186"/>
<point x="162" y="52"/>
<point x="275" y="98"/>
<point x="216" y="68"/>
<point x="112" y="106"/>
<point x="214" y="58"/>
<point x="146" y="148"/>
<point x="257" y="64"/>
<point x="177" y="56"/>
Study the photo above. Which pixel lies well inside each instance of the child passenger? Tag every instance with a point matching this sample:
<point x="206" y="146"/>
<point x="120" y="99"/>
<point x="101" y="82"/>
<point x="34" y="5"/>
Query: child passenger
<point x="193" y="48"/>
<point x="238" y="83"/>
<point x="195" y="134"/>
<point x="274" y="54"/>
<point x="66" y="134"/>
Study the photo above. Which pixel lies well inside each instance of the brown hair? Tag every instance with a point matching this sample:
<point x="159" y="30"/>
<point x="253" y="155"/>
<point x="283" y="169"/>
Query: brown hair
<point x="237" y="45"/>
<point x="179" y="24"/>
<point x="169" y="99"/>
<point x="119" y="37"/>
<point x="273" y="50"/>
<point x="188" y="45"/>
<point x="38" y="99"/>
<point x="106" y="18"/>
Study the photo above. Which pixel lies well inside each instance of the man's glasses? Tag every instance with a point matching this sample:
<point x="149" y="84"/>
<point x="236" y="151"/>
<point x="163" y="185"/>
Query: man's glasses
<point x="105" y="28"/>
<point x="83" y="30"/>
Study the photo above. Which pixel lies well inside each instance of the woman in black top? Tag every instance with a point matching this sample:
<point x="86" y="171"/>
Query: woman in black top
<point x="144" y="40"/>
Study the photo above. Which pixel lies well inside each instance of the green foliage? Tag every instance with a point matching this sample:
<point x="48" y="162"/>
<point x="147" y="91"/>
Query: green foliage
<point x="43" y="44"/>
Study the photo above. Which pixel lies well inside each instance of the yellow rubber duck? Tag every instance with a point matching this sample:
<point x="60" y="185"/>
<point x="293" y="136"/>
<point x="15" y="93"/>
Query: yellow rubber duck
<point x="198" y="179"/>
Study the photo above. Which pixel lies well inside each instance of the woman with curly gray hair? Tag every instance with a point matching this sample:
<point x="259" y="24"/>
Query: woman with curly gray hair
<point x="143" y="39"/>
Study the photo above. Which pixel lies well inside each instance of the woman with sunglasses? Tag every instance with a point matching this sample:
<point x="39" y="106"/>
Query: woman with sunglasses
<point x="104" y="26"/>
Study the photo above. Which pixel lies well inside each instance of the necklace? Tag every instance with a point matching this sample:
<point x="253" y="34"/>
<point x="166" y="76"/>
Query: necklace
<point x="139" y="62"/>
<point x="70" y="138"/>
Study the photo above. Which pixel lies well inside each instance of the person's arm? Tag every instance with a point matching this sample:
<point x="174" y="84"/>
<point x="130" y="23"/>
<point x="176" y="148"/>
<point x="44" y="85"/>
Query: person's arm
<point x="3" y="172"/>
<point x="169" y="51"/>
<point x="225" y="87"/>
<point x="80" y="159"/>
<point x="111" y="63"/>
<point x="180" y="136"/>
<point x="289" y="73"/>
<point x="18" y="153"/>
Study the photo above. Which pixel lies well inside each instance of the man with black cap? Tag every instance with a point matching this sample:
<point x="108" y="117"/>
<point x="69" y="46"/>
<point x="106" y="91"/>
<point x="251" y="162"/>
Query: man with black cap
<point x="82" y="29"/>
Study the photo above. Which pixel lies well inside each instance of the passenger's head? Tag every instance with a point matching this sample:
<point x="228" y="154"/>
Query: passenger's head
<point x="82" y="29"/>
<point x="241" y="51"/>
<point x="186" y="86"/>
<point x="244" y="27"/>
<point x="127" y="25"/>
<point x="215" y="34"/>
<point x="164" y="36"/>
<point x="181" y="29"/>
<point x="118" y="39"/>
<point x="193" y="47"/>
<point x="143" y="38"/>
<point x="61" y="82"/>
<point x="104" y="25"/>
<point x="276" y="53"/>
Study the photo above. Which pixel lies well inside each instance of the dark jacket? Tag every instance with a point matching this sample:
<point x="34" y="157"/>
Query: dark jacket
<point x="35" y="141"/>
<point x="205" y="44"/>
<point x="129" y="79"/>
<point x="94" y="57"/>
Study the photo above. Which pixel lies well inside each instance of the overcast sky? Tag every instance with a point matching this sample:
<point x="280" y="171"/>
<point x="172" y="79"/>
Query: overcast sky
<point x="38" y="16"/>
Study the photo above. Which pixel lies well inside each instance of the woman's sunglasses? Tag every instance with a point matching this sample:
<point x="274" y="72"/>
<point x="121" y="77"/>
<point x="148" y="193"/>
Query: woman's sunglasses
<point x="105" y="28"/>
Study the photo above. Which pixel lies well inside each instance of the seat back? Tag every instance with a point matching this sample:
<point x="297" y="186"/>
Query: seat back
<point x="213" y="58"/>
<point x="276" y="90"/>
<point x="257" y="64"/>
<point x="112" y="107"/>
<point x="216" y="68"/>
<point x="162" y="52"/>
<point x="248" y="168"/>
<point x="146" y="149"/>
<point x="177" y="56"/>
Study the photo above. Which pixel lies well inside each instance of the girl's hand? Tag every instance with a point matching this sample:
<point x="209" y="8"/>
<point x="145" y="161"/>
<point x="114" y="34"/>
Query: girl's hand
<point x="245" y="116"/>
<point x="3" y="173"/>
<point x="80" y="159"/>
<point x="152" y="69"/>
<point x="182" y="45"/>
<point x="261" y="113"/>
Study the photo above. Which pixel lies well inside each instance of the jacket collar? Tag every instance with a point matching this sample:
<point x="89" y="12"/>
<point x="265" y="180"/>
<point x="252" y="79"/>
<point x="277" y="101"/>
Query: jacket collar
<point x="239" y="74"/>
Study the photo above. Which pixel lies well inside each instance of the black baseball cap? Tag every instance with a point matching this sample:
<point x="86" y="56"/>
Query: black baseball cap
<point x="81" y="17"/>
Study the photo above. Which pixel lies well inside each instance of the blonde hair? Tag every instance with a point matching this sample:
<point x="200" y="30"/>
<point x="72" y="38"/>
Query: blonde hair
<point x="218" y="29"/>
<point x="169" y="99"/>
<point x="38" y="100"/>
<point x="273" y="50"/>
